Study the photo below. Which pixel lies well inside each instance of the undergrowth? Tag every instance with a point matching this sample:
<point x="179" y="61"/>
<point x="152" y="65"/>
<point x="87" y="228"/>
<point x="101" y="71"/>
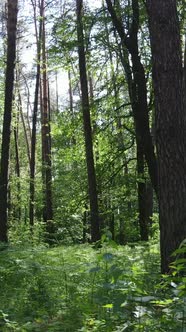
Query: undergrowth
<point x="81" y="288"/>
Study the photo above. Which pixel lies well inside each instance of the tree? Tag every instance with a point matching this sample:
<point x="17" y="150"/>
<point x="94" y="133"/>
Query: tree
<point x="17" y="164"/>
<point x="137" y="90"/>
<point x="137" y="86"/>
<point x="9" y="84"/>
<point x="169" y="125"/>
<point x="35" y="112"/>
<point x="45" y="132"/>
<point x="92" y="186"/>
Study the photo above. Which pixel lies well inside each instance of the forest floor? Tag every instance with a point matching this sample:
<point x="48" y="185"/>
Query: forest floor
<point x="81" y="288"/>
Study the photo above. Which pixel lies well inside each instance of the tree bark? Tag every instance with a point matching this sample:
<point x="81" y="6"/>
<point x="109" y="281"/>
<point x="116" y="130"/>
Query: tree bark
<point x="94" y="214"/>
<point x="169" y="125"/>
<point x="9" y="85"/>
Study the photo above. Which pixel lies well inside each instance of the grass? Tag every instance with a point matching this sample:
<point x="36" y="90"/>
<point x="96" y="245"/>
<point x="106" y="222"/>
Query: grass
<point x="80" y="288"/>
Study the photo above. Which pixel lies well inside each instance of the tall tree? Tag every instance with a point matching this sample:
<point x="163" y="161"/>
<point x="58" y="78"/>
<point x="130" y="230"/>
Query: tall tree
<point x="35" y="111"/>
<point x="17" y="165"/>
<point x="169" y="124"/>
<point x="46" y="136"/>
<point x="137" y="89"/>
<point x="9" y="84"/>
<point x="92" y="185"/>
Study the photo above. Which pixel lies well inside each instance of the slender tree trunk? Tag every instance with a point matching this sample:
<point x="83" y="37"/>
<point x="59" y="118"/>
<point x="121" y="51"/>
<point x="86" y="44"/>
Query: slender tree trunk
<point x="85" y="227"/>
<point x="34" y="118"/>
<point x="70" y="93"/>
<point x="170" y="126"/>
<point x="184" y="75"/>
<point x="46" y="140"/>
<point x="57" y="92"/>
<point x="122" y="235"/>
<point x="71" y="105"/>
<point x="17" y="167"/>
<point x="94" y="214"/>
<point x="9" y="84"/>
<point x="24" y="126"/>
<point x="142" y="204"/>
<point x="29" y="106"/>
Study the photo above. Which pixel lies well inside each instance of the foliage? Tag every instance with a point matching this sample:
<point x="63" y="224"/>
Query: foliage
<point x="80" y="288"/>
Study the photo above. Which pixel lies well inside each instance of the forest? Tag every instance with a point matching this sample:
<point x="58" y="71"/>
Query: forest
<point x="93" y="165"/>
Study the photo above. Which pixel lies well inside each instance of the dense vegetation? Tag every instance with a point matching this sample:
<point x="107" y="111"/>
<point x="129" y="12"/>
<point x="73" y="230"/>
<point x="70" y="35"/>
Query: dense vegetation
<point x="81" y="288"/>
<point x="92" y="167"/>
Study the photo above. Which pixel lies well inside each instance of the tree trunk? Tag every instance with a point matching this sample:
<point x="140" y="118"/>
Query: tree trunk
<point x="142" y="204"/>
<point x="71" y="105"/>
<point x="94" y="215"/>
<point x="17" y="167"/>
<point x="26" y="132"/>
<point x="184" y="75"/>
<point x="46" y="139"/>
<point x="34" y="118"/>
<point x="57" y="92"/>
<point x="9" y="84"/>
<point x="169" y="125"/>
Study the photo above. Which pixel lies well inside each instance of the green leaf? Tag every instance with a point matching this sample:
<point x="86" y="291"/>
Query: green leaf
<point x="108" y="306"/>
